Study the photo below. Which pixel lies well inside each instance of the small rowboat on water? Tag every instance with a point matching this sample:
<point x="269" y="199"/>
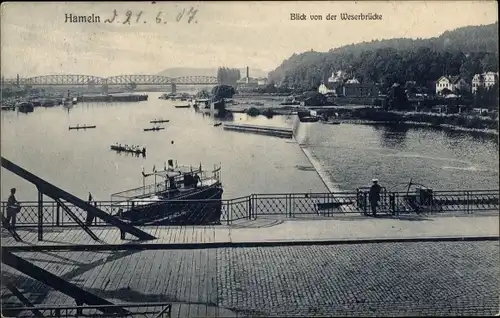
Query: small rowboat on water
<point x="182" y="106"/>
<point x="154" y="129"/>
<point x="159" y="121"/>
<point x="81" y="127"/>
<point x="136" y="150"/>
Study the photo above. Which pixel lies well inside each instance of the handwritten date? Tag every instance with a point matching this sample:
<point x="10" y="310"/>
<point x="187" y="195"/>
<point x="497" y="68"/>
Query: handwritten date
<point x="131" y="17"/>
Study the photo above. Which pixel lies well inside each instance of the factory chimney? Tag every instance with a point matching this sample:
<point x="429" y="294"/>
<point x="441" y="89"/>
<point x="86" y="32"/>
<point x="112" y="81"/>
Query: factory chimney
<point x="248" y="72"/>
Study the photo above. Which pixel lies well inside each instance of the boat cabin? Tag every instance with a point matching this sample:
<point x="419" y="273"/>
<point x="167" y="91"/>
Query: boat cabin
<point x="170" y="183"/>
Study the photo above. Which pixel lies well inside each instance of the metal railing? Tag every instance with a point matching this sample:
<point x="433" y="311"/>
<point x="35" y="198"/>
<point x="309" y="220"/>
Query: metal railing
<point x="158" y="310"/>
<point x="280" y="205"/>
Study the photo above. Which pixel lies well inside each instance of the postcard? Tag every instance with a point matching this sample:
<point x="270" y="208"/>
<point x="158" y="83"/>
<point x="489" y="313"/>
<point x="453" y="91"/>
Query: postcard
<point x="249" y="158"/>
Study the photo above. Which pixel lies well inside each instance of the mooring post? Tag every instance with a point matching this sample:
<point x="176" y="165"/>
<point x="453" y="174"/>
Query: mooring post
<point x="40" y="216"/>
<point x="364" y="203"/>
<point x="467" y="207"/>
<point x="58" y="214"/>
<point x="249" y="207"/>
<point x="392" y="202"/>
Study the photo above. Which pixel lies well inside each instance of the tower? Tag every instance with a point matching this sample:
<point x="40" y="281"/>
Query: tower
<point x="248" y="72"/>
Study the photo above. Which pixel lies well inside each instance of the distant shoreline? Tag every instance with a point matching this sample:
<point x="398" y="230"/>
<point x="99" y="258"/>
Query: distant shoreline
<point x="354" y="119"/>
<point x="491" y="132"/>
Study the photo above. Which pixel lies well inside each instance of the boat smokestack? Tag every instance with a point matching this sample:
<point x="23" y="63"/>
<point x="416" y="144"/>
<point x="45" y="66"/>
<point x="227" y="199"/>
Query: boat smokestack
<point x="248" y="72"/>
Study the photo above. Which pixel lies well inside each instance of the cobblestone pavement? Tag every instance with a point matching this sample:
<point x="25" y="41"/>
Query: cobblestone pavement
<point x="403" y="279"/>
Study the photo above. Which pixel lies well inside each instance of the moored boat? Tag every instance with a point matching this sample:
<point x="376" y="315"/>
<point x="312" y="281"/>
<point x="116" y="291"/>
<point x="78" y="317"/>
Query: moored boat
<point x="185" y="195"/>
<point x="25" y="107"/>
<point x="36" y="102"/>
<point x="8" y="106"/>
<point x="168" y="96"/>
<point x="48" y="103"/>
<point x="309" y="119"/>
<point x="332" y="122"/>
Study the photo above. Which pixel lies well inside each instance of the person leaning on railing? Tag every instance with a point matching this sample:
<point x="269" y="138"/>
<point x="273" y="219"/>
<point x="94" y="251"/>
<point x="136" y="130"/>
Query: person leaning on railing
<point x="13" y="207"/>
<point x="90" y="217"/>
<point x="197" y="180"/>
<point x="374" y="196"/>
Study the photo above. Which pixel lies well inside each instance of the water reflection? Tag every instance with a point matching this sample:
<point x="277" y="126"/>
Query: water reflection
<point x="68" y="108"/>
<point x="392" y="136"/>
<point x="477" y="136"/>
<point x="354" y="154"/>
<point x="224" y="116"/>
<point x="131" y="154"/>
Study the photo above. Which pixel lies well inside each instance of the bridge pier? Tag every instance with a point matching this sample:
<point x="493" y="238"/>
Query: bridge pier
<point x="105" y="89"/>
<point x="174" y="88"/>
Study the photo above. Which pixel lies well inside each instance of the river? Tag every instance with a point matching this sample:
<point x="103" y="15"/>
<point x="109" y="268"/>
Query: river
<point x="348" y="156"/>
<point x="351" y="155"/>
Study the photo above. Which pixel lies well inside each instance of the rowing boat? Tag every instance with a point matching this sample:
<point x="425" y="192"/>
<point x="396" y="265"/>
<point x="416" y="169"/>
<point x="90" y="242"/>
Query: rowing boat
<point x="154" y="129"/>
<point x="128" y="149"/>
<point x="81" y="127"/>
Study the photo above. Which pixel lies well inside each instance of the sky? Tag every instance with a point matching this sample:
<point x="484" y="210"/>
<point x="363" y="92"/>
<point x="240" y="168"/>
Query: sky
<point x="35" y="40"/>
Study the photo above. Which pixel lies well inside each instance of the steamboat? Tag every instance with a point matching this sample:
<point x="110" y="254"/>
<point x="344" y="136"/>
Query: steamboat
<point x="174" y="198"/>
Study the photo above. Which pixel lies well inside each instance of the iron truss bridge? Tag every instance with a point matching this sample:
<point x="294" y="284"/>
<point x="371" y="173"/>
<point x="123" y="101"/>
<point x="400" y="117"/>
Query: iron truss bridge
<point x="77" y="80"/>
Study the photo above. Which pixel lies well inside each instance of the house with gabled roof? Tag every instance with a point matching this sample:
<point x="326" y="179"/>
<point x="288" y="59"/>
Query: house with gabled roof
<point x="328" y="87"/>
<point x="452" y="83"/>
<point x="485" y="80"/>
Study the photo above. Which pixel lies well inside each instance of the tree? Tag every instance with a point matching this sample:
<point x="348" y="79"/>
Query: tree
<point x="223" y="91"/>
<point x="203" y="94"/>
<point x="228" y="76"/>
<point x="464" y="92"/>
<point x="465" y="52"/>
<point x="397" y="98"/>
<point x="486" y="97"/>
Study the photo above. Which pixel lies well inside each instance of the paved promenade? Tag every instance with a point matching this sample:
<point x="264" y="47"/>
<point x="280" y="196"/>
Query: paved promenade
<point x="358" y="279"/>
<point x="385" y="279"/>
<point x="355" y="228"/>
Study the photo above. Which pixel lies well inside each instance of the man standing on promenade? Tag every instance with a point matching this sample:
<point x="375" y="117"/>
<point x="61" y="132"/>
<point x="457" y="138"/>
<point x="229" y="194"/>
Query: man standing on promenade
<point x="13" y="207"/>
<point x="374" y="196"/>
<point x="90" y="217"/>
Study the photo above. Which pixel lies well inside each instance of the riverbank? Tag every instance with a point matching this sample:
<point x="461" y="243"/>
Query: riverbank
<point x="371" y="115"/>
<point x="460" y="122"/>
<point x="490" y="132"/>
